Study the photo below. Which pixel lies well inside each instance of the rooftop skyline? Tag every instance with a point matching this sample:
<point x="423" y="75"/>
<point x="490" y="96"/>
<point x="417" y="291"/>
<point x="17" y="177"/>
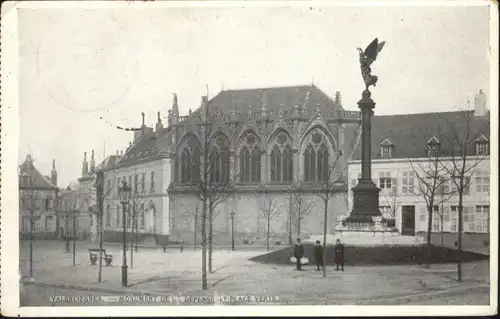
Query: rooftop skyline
<point x="115" y="64"/>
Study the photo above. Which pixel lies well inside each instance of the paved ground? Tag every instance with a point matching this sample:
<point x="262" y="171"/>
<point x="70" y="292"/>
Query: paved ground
<point x="174" y="273"/>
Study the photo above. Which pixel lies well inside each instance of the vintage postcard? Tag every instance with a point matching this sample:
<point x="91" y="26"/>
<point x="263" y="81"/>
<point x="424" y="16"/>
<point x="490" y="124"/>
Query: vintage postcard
<point x="182" y="158"/>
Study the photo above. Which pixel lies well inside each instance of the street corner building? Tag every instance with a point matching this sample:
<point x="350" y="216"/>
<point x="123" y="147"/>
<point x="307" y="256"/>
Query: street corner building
<point x="283" y="140"/>
<point x="416" y="157"/>
<point x="38" y="195"/>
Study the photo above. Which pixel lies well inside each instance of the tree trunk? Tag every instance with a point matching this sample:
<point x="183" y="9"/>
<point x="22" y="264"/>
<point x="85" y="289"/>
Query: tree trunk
<point x="74" y="236"/>
<point x="298" y="227"/>
<point x="325" y="229"/>
<point x="442" y="228"/>
<point x="210" y="233"/>
<point x="460" y="229"/>
<point x="204" y="284"/>
<point x="195" y="228"/>
<point x="290" y="222"/>
<point x="132" y="244"/>
<point x="101" y="239"/>
<point x="268" y="230"/>
<point x="136" y="235"/>
<point x="429" y="230"/>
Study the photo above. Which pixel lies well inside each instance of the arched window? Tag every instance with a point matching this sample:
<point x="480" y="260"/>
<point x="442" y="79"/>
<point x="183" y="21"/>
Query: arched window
<point x="287" y="164"/>
<point x="244" y="165"/>
<point x="276" y="160"/>
<point x="108" y="216"/>
<point x="310" y="164"/>
<point x="316" y="158"/>
<point x="142" y="220"/>
<point x="219" y="161"/>
<point x="185" y="166"/>
<point x="195" y="165"/>
<point x="255" y="166"/>
<point x="322" y="164"/>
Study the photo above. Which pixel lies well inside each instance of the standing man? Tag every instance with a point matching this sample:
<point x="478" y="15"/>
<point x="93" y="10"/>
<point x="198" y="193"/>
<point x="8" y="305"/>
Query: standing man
<point x="318" y="254"/>
<point x="339" y="255"/>
<point x="298" y="253"/>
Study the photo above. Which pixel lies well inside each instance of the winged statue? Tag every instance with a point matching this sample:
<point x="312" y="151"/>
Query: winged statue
<point x="366" y="58"/>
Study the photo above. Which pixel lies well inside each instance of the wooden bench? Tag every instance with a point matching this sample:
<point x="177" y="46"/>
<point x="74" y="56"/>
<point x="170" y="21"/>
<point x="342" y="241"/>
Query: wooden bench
<point x="94" y="252"/>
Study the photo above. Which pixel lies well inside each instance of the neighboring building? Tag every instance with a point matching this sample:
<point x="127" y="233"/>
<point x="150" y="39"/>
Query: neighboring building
<point x="406" y="146"/>
<point x="267" y="138"/>
<point x="37" y="198"/>
<point x="145" y="166"/>
<point x="82" y="198"/>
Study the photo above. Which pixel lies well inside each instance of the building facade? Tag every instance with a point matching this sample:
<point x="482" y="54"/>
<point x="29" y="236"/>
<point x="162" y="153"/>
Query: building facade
<point x="283" y="140"/>
<point x="145" y="167"/>
<point x="37" y="201"/>
<point x="417" y="156"/>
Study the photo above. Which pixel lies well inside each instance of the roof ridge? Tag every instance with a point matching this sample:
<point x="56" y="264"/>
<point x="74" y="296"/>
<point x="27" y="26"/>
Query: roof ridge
<point x="268" y="88"/>
<point x="423" y="113"/>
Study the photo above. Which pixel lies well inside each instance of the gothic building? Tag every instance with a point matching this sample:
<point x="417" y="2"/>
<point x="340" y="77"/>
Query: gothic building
<point x="280" y="141"/>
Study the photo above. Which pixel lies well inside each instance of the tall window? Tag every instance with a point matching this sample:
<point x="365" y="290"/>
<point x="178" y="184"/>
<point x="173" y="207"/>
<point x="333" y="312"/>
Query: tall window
<point x="219" y="161"/>
<point x="152" y="187"/>
<point x="408" y="180"/>
<point x="436" y="219"/>
<point x="142" y="219"/>
<point x="118" y="185"/>
<point x="386" y="183"/>
<point x="466" y="185"/>
<point x="108" y="190"/>
<point x="108" y="216"/>
<point x="316" y="159"/>
<point x="482" y="218"/>
<point x="143" y="182"/>
<point x="453" y="224"/>
<point x="190" y="161"/>
<point x="276" y="161"/>
<point x="468" y="219"/>
<point x="47" y="203"/>
<point x="118" y="213"/>
<point x="482" y="182"/>
<point x="48" y="223"/>
<point x="136" y="180"/>
<point x="249" y="164"/>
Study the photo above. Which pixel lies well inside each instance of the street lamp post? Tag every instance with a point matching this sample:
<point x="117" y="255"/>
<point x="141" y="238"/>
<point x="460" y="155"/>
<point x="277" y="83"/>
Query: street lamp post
<point x="124" y="191"/>
<point x="232" y="230"/>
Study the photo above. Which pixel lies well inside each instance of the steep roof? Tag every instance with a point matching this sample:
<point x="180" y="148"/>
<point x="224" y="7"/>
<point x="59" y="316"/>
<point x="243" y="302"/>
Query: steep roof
<point x="305" y="96"/>
<point x="39" y="181"/>
<point x="409" y="133"/>
<point x="148" y="147"/>
<point x="108" y="162"/>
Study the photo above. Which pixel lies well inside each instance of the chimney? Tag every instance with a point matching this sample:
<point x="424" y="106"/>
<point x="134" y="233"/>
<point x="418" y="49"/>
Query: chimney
<point x="140" y="132"/>
<point x="480" y="104"/>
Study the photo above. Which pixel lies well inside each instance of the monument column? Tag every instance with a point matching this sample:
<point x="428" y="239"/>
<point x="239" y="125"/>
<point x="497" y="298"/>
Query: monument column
<point x="365" y="193"/>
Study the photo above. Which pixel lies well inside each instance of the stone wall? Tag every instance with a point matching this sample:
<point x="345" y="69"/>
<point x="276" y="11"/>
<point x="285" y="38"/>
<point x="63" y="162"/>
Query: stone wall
<point x="249" y="222"/>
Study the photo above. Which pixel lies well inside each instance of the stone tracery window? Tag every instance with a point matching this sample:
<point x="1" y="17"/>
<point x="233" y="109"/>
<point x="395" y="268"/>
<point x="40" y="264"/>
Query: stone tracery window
<point x="190" y="162"/>
<point x="282" y="160"/>
<point x="219" y="161"/>
<point x="250" y="161"/>
<point x="316" y="159"/>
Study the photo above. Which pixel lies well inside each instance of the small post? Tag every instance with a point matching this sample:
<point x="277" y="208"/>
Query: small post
<point x="232" y="230"/>
<point x="74" y="235"/>
<point x="182" y="246"/>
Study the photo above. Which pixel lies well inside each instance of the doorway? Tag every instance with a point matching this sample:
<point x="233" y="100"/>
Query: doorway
<point x="408" y="220"/>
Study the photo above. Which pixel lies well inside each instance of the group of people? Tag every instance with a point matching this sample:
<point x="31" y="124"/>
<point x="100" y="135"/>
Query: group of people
<point x="338" y="259"/>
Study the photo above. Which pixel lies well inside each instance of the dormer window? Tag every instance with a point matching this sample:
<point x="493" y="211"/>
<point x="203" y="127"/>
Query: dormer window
<point x="482" y="146"/>
<point x="433" y="146"/>
<point x="386" y="149"/>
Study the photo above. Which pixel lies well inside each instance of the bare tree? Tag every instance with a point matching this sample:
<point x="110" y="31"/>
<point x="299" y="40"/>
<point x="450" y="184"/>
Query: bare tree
<point x="267" y="206"/>
<point x="430" y="183"/>
<point x="135" y="210"/>
<point x="71" y="210"/>
<point x="194" y="214"/>
<point x="304" y="207"/>
<point x="211" y="177"/>
<point x="102" y="192"/>
<point x="328" y="186"/>
<point x="462" y="163"/>
<point x="392" y="202"/>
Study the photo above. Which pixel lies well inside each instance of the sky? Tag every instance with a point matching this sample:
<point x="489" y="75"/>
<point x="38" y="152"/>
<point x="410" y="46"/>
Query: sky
<point x="77" y="66"/>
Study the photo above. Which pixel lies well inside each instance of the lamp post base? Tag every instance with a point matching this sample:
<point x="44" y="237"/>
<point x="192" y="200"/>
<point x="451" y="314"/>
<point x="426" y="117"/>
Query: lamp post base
<point x="124" y="275"/>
